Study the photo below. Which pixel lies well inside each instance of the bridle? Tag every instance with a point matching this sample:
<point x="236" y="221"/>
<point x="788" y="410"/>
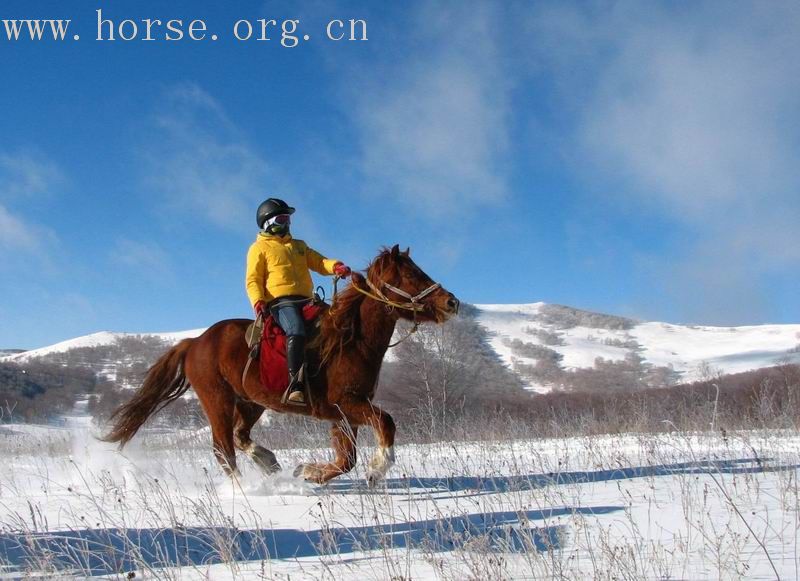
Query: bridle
<point x="412" y="305"/>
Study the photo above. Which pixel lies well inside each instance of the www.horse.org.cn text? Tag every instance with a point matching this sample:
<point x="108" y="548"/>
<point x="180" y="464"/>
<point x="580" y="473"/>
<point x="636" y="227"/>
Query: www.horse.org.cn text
<point x="287" y="33"/>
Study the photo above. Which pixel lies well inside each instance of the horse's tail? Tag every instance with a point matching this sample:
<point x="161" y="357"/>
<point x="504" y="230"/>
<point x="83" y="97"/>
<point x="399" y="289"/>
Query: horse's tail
<point x="165" y="382"/>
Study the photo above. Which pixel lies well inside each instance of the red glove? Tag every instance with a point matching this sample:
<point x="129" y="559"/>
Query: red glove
<point x="341" y="269"/>
<point x="259" y="308"/>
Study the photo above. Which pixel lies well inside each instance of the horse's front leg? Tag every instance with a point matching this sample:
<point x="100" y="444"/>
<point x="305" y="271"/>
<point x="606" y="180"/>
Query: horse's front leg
<point x="366" y="413"/>
<point x="343" y="439"/>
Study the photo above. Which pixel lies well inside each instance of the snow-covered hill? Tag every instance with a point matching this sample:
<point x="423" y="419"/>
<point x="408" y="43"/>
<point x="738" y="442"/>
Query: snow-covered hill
<point x="525" y="335"/>
<point x="546" y="345"/>
<point x="100" y="339"/>
<point x="121" y="358"/>
<point x="4" y="352"/>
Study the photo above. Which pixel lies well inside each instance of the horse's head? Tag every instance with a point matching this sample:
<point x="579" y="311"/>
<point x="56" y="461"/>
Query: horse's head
<point x="395" y="277"/>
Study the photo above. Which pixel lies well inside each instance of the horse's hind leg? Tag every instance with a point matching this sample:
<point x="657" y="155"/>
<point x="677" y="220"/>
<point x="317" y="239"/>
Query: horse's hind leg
<point x="343" y="437"/>
<point x="245" y="417"/>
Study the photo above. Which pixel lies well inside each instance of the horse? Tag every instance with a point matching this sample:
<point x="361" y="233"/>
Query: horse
<point x="344" y="361"/>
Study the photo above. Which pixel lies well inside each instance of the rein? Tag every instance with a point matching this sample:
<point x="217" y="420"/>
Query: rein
<point x="412" y="305"/>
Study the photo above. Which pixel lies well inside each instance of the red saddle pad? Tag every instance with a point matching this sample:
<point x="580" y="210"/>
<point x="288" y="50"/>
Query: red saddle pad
<point x="272" y="361"/>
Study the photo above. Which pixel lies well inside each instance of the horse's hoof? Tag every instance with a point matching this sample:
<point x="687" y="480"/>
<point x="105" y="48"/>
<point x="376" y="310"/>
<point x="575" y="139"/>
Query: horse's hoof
<point x="373" y="479"/>
<point x="265" y="460"/>
<point x="379" y="466"/>
<point x="309" y="472"/>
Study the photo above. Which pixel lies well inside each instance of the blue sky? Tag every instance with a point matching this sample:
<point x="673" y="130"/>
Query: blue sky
<point x="629" y="157"/>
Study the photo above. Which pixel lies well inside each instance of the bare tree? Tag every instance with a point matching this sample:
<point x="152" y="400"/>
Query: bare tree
<point x="441" y="372"/>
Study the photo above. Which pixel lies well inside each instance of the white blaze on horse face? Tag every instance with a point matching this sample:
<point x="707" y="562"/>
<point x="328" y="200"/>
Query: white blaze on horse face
<point x="380" y="463"/>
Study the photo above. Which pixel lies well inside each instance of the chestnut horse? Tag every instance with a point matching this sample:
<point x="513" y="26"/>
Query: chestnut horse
<point x="343" y="362"/>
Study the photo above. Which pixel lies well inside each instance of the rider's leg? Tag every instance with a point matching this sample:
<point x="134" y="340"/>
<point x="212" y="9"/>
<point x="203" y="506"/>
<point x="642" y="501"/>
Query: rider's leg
<point x="295" y="357"/>
<point x="289" y="316"/>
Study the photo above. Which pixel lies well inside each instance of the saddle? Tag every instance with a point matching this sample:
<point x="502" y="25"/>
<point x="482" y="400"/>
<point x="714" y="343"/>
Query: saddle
<point x="267" y="343"/>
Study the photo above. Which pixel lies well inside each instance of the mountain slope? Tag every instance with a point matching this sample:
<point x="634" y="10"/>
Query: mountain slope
<point x="526" y="335"/>
<point x="548" y="346"/>
<point x="120" y="358"/>
<point x="100" y="339"/>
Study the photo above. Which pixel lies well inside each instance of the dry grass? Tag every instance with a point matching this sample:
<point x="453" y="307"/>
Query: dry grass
<point x="583" y="507"/>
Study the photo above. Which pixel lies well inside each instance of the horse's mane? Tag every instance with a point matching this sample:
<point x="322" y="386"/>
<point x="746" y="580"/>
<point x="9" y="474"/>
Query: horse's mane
<point x="340" y="323"/>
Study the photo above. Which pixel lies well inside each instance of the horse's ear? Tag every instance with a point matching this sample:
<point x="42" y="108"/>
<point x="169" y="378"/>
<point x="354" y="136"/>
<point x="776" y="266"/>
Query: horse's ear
<point x="395" y="251"/>
<point x="407" y="251"/>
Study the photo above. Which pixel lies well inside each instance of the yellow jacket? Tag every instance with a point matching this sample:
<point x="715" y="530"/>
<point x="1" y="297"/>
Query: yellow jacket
<point x="277" y="266"/>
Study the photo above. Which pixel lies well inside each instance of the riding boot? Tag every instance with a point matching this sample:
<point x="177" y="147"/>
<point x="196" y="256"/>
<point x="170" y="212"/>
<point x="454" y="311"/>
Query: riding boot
<point x="295" y="357"/>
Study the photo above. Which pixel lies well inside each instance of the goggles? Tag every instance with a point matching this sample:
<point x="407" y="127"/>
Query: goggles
<point x="280" y="220"/>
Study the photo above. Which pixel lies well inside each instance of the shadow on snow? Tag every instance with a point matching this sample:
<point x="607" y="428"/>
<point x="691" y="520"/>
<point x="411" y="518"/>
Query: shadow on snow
<point x="498" y="484"/>
<point x="108" y="551"/>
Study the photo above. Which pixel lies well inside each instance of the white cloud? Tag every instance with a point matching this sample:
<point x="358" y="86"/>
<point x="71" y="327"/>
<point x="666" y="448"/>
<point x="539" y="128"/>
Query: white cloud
<point x="433" y="126"/>
<point x="24" y="176"/>
<point x="200" y="164"/>
<point x="699" y="117"/>
<point x="694" y="112"/>
<point x="15" y="233"/>
<point x="144" y="257"/>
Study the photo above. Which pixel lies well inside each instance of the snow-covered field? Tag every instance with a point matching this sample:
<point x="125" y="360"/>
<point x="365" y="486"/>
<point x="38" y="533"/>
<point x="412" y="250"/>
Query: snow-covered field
<point x="670" y="506"/>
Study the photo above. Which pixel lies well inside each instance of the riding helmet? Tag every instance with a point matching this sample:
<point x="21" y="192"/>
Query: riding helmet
<point x="269" y="208"/>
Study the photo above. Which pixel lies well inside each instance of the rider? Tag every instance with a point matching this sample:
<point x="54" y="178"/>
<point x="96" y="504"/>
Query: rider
<point x="278" y="280"/>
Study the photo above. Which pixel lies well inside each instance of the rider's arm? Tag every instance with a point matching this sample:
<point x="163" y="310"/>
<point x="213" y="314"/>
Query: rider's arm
<point x="319" y="263"/>
<point x="256" y="277"/>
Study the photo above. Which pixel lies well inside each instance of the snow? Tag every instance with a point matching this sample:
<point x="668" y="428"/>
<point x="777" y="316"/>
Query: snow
<point x="690" y="350"/>
<point x="509" y="322"/>
<point x="693" y="351"/>
<point x="727" y="349"/>
<point x="96" y="340"/>
<point x="584" y="345"/>
<point x="654" y="506"/>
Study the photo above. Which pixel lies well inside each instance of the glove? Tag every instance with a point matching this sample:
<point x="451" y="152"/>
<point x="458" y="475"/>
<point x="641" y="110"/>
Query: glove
<point x="341" y="269"/>
<point x="259" y="308"/>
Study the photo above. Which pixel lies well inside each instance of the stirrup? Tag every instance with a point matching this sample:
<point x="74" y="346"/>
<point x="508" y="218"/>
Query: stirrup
<point x="295" y="391"/>
<point x="296" y="397"/>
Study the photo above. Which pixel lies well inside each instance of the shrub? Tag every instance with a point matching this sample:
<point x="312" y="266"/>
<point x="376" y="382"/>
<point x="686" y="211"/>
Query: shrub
<point x="39" y="391"/>
<point x="545" y="336"/>
<point x="561" y="317"/>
